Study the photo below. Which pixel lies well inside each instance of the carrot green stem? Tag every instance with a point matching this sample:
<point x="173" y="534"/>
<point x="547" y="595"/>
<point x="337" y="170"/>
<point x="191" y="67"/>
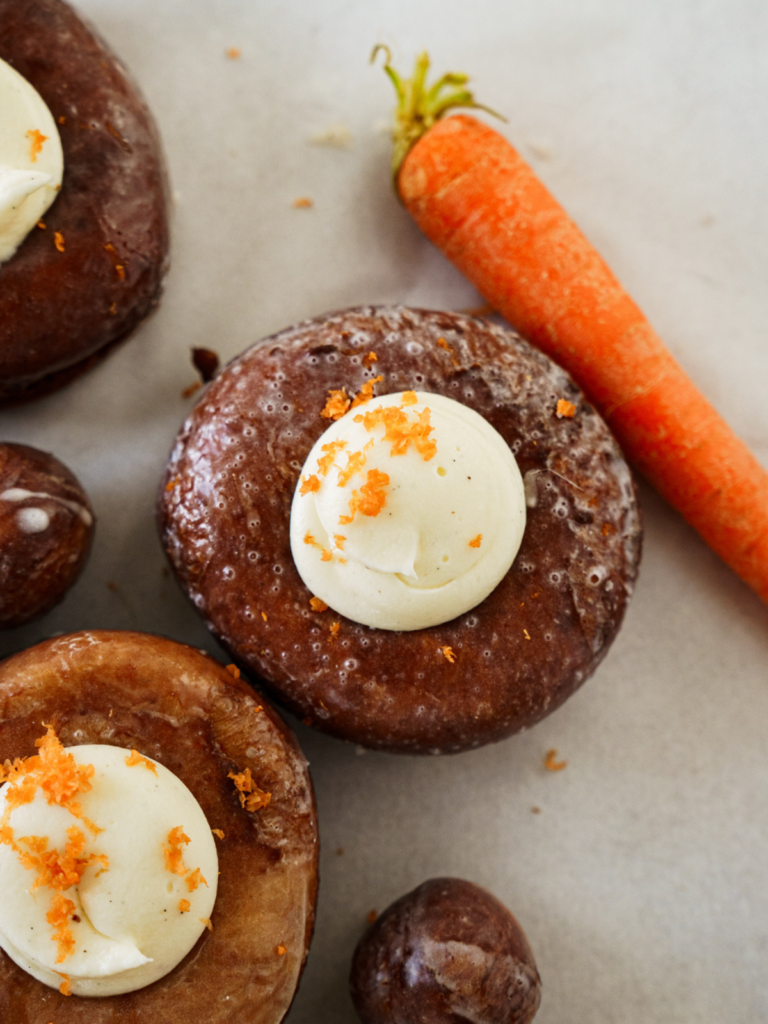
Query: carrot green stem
<point x="419" y="107"/>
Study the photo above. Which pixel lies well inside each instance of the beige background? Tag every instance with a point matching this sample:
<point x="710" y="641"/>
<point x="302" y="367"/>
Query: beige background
<point x="641" y="882"/>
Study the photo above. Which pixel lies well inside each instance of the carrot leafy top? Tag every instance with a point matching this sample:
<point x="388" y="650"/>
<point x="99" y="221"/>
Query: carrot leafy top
<point x="419" y="106"/>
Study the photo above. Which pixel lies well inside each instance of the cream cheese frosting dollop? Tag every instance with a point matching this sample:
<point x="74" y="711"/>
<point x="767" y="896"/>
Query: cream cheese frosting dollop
<point x="141" y="863"/>
<point x="31" y="159"/>
<point x="409" y="511"/>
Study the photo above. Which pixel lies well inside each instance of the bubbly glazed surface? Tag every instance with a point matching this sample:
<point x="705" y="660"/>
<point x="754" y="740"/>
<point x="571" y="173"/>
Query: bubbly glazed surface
<point x="95" y="270"/>
<point x="181" y="708"/>
<point x="124" y="922"/>
<point x="225" y="505"/>
<point x="31" y="161"/>
<point x="416" y="518"/>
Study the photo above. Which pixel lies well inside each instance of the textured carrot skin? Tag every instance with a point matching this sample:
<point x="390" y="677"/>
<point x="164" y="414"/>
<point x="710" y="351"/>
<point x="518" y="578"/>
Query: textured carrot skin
<point x="475" y="198"/>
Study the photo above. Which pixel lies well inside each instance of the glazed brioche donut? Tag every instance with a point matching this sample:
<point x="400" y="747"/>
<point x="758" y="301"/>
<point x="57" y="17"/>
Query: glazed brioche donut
<point x="183" y="709"/>
<point x="225" y="502"/>
<point x="60" y="310"/>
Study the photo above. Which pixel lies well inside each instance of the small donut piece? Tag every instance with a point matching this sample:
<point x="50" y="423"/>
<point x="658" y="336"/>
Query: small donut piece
<point x="60" y="310"/>
<point x="224" y="512"/>
<point x="180" y="707"/>
<point x="446" y="953"/>
<point x="46" y="528"/>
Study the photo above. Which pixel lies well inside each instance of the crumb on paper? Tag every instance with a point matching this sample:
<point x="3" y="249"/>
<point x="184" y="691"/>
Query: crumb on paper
<point x="565" y="409"/>
<point x="535" y="810"/>
<point x="551" y="763"/>
<point x="184" y="906"/>
<point x="340" y="851"/>
<point x="234" y="52"/>
<point x="112" y="586"/>
<point x="303" y="203"/>
<point x="447" y="653"/>
<point x="335" y="136"/>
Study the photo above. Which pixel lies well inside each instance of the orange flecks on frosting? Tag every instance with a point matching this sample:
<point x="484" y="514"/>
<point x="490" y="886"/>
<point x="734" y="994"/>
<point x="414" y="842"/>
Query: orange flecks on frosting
<point x="55" y="870"/>
<point x="218" y="833"/>
<point x="565" y="408"/>
<point x="36" y="143"/>
<point x="309" y="539"/>
<point x="65" y="987"/>
<point x="337" y="404"/>
<point x="195" y="880"/>
<point x="355" y="463"/>
<point x="184" y="906"/>
<point x="58" y="240"/>
<point x="58" y="917"/>
<point x="334" y="631"/>
<point x="409" y="398"/>
<point x="207" y="922"/>
<point x="234" y="671"/>
<point x="365" y="394"/>
<point x="339" y="539"/>
<point x="326" y="555"/>
<point x="551" y="763"/>
<point x="173" y="853"/>
<point x="136" y="758"/>
<point x="317" y="604"/>
<point x="447" y="653"/>
<point x="400" y="431"/>
<point x="251" y="797"/>
<point x="309" y="485"/>
<point x="476" y="541"/>
<point x="331" y="449"/>
<point x="370" y="499"/>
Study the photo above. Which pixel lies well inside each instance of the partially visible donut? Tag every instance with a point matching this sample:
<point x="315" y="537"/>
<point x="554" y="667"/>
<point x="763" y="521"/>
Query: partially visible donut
<point x="46" y="528"/>
<point x="59" y="310"/>
<point x="224" y="511"/>
<point x="180" y="707"/>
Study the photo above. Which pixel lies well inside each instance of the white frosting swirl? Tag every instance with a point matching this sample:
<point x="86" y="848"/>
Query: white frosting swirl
<point x="432" y="532"/>
<point x="31" y="159"/>
<point x="128" y="924"/>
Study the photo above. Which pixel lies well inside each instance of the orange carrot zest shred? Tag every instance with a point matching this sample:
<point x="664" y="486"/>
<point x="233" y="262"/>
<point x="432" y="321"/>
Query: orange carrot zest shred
<point x="334" y="631"/>
<point x="371" y="498"/>
<point x="526" y="634"/>
<point x="565" y="409"/>
<point x="136" y="758"/>
<point x="174" y="855"/>
<point x="65" y="987"/>
<point x="324" y="464"/>
<point x="184" y="906"/>
<point x="36" y="145"/>
<point x="251" y="797"/>
<point x="195" y="880"/>
<point x="303" y="203"/>
<point x="317" y="604"/>
<point x="409" y="398"/>
<point x="281" y="950"/>
<point x="400" y="431"/>
<point x="218" y="833"/>
<point x="58" y="917"/>
<point x="326" y="555"/>
<point x="207" y="922"/>
<point x="339" y="539"/>
<point x="447" y="653"/>
<point x="58" y="240"/>
<point x="355" y="463"/>
<point x="551" y="763"/>
<point x="234" y="671"/>
<point x="365" y="393"/>
<point x="337" y="404"/>
<point x="371" y="358"/>
<point x="478" y="540"/>
<point x="309" y="485"/>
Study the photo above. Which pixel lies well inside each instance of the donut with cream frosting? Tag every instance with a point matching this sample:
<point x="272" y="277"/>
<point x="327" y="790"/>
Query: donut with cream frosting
<point x="224" y="512"/>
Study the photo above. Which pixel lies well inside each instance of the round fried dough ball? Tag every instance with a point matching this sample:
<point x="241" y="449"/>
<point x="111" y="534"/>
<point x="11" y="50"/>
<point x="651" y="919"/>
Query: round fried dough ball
<point x="46" y="526"/>
<point x="446" y="953"/>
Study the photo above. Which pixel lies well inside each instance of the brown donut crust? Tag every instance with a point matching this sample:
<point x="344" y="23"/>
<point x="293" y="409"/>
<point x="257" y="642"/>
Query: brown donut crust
<point x="58" y="309"/>
<point x="37" y="569"/>
<point x="184" y="709"/>
<point x="224" y="511"/>
<point x="446" y="953"/>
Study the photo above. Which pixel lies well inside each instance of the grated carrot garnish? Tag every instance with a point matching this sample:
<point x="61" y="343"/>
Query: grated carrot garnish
<point x="355" y="463"/>
<point x="207" y="922"/>
<point x="337" y="404"/>
<point x="551" y="763"/>
<point x="565" y="408"/>
<point x="339" y="539"/>
<point x="365" y="394"/>
<point x="234" y="671"/>
<point x="326" y="555"/>
<point x="371" y="358"/>
<point x="65" y="987"/>
<point x="195" y="880"/>
<point x="251" y="797"/>
<point x="401" y="431"/>
<point x="409" y="398"/>
<point x="370" y="499"/>
<point x="325" y="463"/>
<point x="317" y="604"/>
<point x="58" y="917"/>
<point x="309" y="539"/>
<point x="334" y="631"/>
<point x="174" y="855"/>
<point x="136" y="758"/>
<point x="477" y="541"/>
<point x="58" y="240"/>
<point x="265" y="616"/>
<point x="36" y="145"/>
<point x="218" y="833"/>
<point x="184" y="906"/>
<point x="309" y="485"/>
<point x="447" y="653"/>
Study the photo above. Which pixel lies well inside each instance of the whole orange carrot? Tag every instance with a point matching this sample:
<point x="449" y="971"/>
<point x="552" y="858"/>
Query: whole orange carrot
<point x="475" y="198"/>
